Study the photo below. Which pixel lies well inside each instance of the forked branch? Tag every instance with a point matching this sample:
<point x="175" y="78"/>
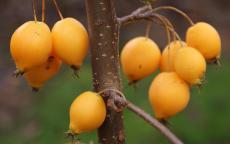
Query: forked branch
<point x="143" y="13"/>
<point x="118" y="102"/>
<point x="149" y="14"/>
<point x="176" y="10"/>
<point x="146" y="12"/>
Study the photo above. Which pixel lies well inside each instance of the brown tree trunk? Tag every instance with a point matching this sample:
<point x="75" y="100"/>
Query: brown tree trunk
<point x="104" y="36"/>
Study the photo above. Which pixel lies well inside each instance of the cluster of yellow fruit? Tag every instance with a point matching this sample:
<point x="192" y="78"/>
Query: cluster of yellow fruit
<point x="39" y="52"/>
<point x="182" y="65"/>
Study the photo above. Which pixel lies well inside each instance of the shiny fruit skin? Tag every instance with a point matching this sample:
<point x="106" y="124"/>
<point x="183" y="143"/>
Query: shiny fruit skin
<point x="140" y="57"/>
<point x="87" y="112"/>
<point x="70" y="40"/>
<point x="206" y="39"/>
<point x="168" y="55"/>
<point x="37" y="76"/>
<point x="31" y="45"/>
<point x="190" y="65"/>
<point x="168" y="95"/>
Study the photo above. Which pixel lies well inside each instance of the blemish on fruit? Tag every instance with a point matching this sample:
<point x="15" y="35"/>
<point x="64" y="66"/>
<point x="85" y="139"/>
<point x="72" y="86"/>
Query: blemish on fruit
<point x="140" y="66"/>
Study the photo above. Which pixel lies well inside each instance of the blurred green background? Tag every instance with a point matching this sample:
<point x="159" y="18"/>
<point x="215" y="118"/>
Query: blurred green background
<point x="42" y="118"/>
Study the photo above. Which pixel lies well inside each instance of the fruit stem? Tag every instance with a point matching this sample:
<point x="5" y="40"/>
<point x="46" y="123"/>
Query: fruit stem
<point x="174" y="33"/>
<point x="148" y="29"/>
<point x="176" y="10"/>
<point x="162" y="20"/>
<point x="58" y="9"/>
<point x="170" y="27"/>
<point x="43" y="10"/>
<point x="149" y="23"/>
<point x="34" y="10"/>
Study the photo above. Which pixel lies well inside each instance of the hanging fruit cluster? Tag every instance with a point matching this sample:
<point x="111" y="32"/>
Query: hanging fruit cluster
<point x="182" y="65"/>
<point x="38" y="51"/>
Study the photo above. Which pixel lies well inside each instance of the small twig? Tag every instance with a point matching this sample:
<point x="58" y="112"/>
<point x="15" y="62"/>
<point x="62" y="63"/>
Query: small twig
<point x="135" y="15"/>
<point x="142" y="9"/>
<point x="148" y="15"/>
<point x="176" y="10"/>
<point x="58" y="9"/>
<point x="164" y="130"/>
<point x="43" y="10"/>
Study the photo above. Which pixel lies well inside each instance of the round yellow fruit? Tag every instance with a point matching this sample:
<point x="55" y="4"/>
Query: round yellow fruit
<point x="140" y="57"/>
<point x="87" y="113"/>
<point x="168" y="95"/>
<point x="190" y="65"/>
<point x="168" y="55"/>
<point x="206" y="39"/>
<point x="37" y="76"/>
<point x="31" y="45"/>
<point x="70" y="40"/>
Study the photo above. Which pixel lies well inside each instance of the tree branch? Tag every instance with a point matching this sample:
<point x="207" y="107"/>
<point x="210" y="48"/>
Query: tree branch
<point x="152" y="121"/>
<point x="148" y="17"/>
<point x="146" y="13"/>
<point x="142" y="13"/>
<point x="119" y="102"/>
<point x="104" y="37"/>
